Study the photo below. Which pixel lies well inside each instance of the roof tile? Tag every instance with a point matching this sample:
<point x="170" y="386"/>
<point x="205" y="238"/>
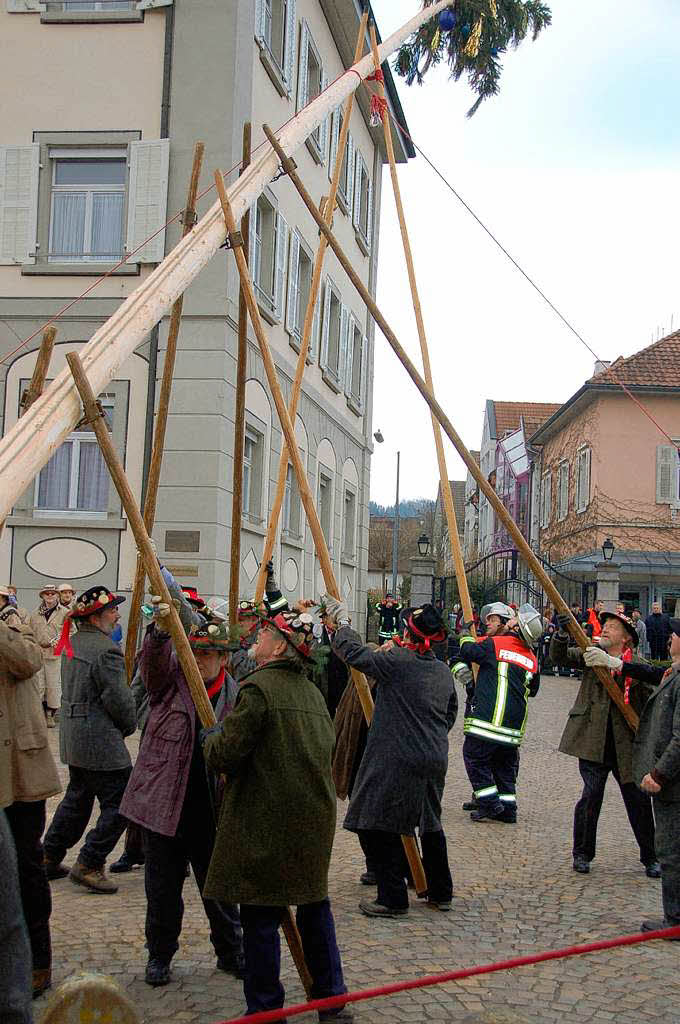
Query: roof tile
<point x="658" y="365"/>
<point x="509" y="414"/>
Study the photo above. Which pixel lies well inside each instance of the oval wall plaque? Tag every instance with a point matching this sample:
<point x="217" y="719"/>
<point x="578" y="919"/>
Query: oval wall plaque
<point x="65" y="558"/>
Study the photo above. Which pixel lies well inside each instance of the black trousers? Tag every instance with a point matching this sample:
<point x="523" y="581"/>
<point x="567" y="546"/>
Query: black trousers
<point x="435" y="863"/>
<point x="587" y="811"/>
<point x="165" y="864"/>
<point x="15" y="952"/>
<point x="74" y="812"/>
<point x="27" y="824"/>
<point x="492" y="771"/>
<point x="262" y="949"/>
<point x="658" y="649"/>
<point x="667" y="816"/>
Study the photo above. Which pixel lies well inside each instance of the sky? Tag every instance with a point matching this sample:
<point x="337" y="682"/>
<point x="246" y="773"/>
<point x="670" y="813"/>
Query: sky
<point x="575" y="168"/>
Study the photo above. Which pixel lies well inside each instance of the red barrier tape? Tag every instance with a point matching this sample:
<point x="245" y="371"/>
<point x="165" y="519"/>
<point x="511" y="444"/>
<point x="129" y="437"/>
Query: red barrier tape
<point x="335" y="1002"/>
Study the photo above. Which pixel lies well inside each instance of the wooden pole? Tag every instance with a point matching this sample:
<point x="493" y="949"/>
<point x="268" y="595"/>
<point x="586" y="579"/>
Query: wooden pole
<point x="42" y="364"/>
<point x="188" y="220"/>
<point x="306" y="496"/>
<point x="314" y="288"/>
<point x="95" y="418"/>
<point x="551" y="590"/>
<point x="239" y="415"/>
<point x="204" y="708"/>
<point x="447" y="497"/>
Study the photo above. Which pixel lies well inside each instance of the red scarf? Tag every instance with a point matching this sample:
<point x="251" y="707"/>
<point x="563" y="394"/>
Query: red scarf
<point x="626" y="656"/>
<point x="217" y="685"/>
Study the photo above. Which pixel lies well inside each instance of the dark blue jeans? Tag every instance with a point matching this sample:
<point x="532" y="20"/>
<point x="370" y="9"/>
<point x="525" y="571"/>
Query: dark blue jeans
<point x="262" y="948"/>
<point x="74" y="811"/>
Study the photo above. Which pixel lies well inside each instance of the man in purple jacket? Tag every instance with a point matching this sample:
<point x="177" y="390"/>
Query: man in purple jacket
<point x="171" y="795"/>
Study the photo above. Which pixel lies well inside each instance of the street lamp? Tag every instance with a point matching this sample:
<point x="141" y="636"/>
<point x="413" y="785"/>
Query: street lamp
<point x="423" y="545"/>
<point x="378" y="436"/>
<point x="608" y="549"/>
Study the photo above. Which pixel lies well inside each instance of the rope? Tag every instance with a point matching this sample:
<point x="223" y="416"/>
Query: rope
<point x="335" y="1002"/>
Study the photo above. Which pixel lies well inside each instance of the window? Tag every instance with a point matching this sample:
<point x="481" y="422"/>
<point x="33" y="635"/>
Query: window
<point x="311" y="82"/>
<point x="362" y="216"/>
<point x="252" y="473"/>
<point x="357" y="350"/>
<point x="88" y="204"/>
<point x="73" y="6"/>
<point x="325" y="504"/>
<point x="275" y="32"/>
<point x="76" y="481"/>
<point x="300" y="265"/>
<point x="546" y="500"/>
<point x="268" y="253"/>
<point x="346" y="183"/>
<point x="349" y="522"/>
<point x="290" y="521"/>
<point x="334" y="338"/>
<point x="668" y="474"/>
<point x="562" y="490"/>
<point x="582" y="479"/>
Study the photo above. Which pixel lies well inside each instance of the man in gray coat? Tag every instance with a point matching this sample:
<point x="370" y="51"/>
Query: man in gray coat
<point x="97" y="713"/>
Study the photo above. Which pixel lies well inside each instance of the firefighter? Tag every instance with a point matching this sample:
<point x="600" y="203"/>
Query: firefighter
<point x="494" y="729"/>
<point x="388" y="618"/>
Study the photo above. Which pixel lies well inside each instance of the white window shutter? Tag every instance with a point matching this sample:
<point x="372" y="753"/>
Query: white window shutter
<point x="259" y="19"/>
<point x="316" y="326"/>
<point x="335" y="136"/>
<point x="19" y="171"/>
<point x="24" y="6"/>
<point x="369" y="212"/>
<point x="326" y="323"/>
<point x="344" y="342"/>
<point x="148" y="199"/>
<point x="350" y="174"/>
<point x="666" y="473"/>
<point x="548" y="499"/>
<point x="349" y="359"/>
<point x="364" y="373"/>
<point x="293" y="284"/>
<point x="291" y="45"/>
<point x="325" y="124"/>
<point x="356" y="205"/>
<point x="281" y="258"/>
<point x="302" y="67"/>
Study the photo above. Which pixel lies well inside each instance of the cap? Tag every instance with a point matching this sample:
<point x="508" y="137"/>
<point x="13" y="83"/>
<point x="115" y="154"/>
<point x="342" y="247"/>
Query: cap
<point x="48" y="588"/>
<point x="66" y="586"/>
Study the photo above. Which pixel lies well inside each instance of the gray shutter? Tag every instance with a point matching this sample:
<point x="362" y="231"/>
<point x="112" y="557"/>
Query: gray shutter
<point x="19" y="171"/>
<point x="342" y="347"/>
<point x="293" y="283"/>
<point x="291" y="44"/>
<point x="349" y="359"/>
<point x="350" y="175"/>
<point x="548" y="499"/>
<point x="24" y="6"/>
<point x="252" y="227"/>
<point x="363" y="379"/>
<point x="326" y="323"/>
<point x="259" y="19"/>
<point x="302" y="67"/>
<point x="281" y="258"/>
<point x="356" y="202"/>
<point x="335" y="136"/>
<point x="316" y="328"/>
<point x="369" y="211"/>
<point x="148" y="199"/>
<point x="325" y="124"/>
<point x="666" y="473"/>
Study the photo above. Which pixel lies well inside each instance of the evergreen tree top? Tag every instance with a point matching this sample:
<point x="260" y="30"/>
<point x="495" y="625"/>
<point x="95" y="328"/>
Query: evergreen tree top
<point x="482" y="32"/>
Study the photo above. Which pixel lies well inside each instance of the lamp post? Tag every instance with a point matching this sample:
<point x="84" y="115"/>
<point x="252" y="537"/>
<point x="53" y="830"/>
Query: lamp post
<point x="423" y="545"/>
<point x="608" y="577"/>
<point x="395" y="527"/>
<point x="608" y="549"/>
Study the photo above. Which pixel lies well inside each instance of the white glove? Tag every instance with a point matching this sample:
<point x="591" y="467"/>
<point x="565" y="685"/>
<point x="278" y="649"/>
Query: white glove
<point x="595" y="657"/>
<point x="336" y="611"/>
<point x="463" y="675"/>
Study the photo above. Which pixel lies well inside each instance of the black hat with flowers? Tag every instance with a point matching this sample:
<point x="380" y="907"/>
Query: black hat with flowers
<point x="212" y="636"/>
<point x="96" y="599"/>
<point x="297" y="629"/>
<point x="625" y="621"/>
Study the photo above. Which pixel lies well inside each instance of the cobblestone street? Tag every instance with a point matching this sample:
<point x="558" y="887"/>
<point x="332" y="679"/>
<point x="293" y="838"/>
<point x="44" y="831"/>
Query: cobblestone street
<point x="515" y="894"/>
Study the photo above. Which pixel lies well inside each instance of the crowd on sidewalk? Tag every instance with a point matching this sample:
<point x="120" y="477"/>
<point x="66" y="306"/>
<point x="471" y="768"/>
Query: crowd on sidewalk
<point x="248" y="805"/>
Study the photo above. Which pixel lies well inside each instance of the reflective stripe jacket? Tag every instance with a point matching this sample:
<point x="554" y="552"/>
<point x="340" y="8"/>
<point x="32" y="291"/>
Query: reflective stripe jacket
<point x="498" y="710"/>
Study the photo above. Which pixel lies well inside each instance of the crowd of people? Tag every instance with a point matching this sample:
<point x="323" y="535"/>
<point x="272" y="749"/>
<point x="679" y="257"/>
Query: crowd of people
<point x="215" y="802"/>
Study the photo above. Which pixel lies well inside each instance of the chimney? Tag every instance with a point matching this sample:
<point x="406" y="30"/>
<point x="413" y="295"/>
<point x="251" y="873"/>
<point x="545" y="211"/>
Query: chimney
<point x="600" y="365"/>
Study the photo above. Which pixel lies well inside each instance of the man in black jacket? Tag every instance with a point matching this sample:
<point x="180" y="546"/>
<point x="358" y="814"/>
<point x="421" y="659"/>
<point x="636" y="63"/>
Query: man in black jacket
<point x="658" y="632"/>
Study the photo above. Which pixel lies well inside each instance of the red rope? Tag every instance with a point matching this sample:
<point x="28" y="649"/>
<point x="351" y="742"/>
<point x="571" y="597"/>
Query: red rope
<point x="335" y="1002"/>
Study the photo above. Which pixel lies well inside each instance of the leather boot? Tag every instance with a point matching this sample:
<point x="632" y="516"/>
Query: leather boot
<point x="93" y="879"/>
<point x="54" y="870"/>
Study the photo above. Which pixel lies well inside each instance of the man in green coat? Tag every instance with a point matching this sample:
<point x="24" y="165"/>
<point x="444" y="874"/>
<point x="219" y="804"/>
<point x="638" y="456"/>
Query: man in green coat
<point x="277" y="820"/>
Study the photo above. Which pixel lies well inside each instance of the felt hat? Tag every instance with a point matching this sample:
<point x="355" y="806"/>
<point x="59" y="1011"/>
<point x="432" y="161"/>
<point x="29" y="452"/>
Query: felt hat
<point x="96" y="599"/>
<point x="425" y="623"/>
<point x="628" y="623"/>
<point x="296" y="628"/>
<point x="66" y="586"/>
<point x="193" y="597"/>
<point x="674" y="623"/>
<point x="211" y="636"/>
<point x="48" y="588"/>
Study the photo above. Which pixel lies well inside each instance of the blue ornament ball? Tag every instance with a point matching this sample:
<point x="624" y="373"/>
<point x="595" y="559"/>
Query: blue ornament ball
<point x="447" y="20"/>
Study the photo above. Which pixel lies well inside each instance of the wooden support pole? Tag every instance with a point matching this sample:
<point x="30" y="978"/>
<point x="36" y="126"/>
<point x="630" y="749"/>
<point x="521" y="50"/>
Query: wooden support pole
<point x="511" y="526"/>
<point x="447" y="497"/>
<point x="314" y="289"/>
<point x="239" y="415"/>
<point x="306" y="496"/>
<point x="188" y="221"/>
<point x="42" y="364"/>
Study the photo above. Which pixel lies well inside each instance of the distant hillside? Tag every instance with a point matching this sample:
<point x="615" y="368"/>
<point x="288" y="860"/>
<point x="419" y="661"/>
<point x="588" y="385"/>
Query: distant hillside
<point x="412" y="508"/>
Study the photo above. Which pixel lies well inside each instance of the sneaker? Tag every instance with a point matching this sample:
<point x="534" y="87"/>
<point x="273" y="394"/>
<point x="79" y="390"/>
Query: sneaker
<point x="157" y="972"/>
<point x="368" y="878"/>
<point x="443" y="905"/>
<point x="657" y="925"/>
<point x="653" y="870"/>
<point x="582" y="865"/>
<point x="233" y="963"/>
<point x="54" y="870"/>
<point x="375" y="909"/>
<point x="125" y="863"/>
<point x="93" y="879"/>
<point x="42" y="980"/>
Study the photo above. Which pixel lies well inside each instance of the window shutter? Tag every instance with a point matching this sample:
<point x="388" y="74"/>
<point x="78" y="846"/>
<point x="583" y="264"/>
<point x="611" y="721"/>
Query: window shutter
<point x="281" y="256"/>
<point x="325" y="124"/>
<point x="349" y="360"/>
<point x="325" y="328"/>
<point x="148" y="199"/>
<point x="335" y="137"/>
<point x="564" y="489"/>
<point x="369" y="212"/>
<point x="252" y="231"/>
<point x="24" y="6"/>
<point x="548" y="499"/>
<point x="356" y="205"/>
<point x="293" y="283"/>
<point x="316" y="325"/>
<point x="350" y="174"/>
<point x="259" y="19"/>
<point x="666" y="473"/>
<point x="145" y="5"/>
<point x="291" y="42"/>
<point x="302" y="67"/>
<point x="362" y="380"/>
<point x="19" y="170"/>
<point x="344" y="341"/>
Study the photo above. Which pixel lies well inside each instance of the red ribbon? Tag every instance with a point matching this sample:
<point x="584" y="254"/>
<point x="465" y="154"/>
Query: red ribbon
<point x="64" y="642"/>
<point x="377" y="76"/>
<point x="378" y="106"/>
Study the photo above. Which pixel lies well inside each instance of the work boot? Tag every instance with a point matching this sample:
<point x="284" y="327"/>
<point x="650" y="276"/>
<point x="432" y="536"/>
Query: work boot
<point x="53" y="869"/>
<point x="443" y="905"/>
<point x="157" y="972"/>
<point x="42" y="980"/>
<point x="375" y="909"/>
<point x="125" y="862"/>
<point x="657" y="925"/>
<point x="509" y="815"/>
<point x="343" y="1015"/>
<point x="232" y="963"/>
<point x="582" y="865"/>
<point x="368" y="878"/>
<point x="490" y="813"/>
<point x="93" y="879"/>
<point x="653" y="870"/>
<point x="470" y="805"/>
